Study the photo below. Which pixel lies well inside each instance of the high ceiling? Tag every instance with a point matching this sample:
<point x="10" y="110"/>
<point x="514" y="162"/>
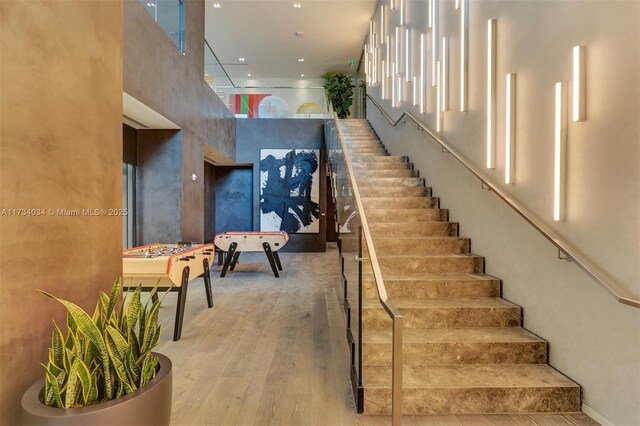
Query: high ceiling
<point x="264" y="34"/>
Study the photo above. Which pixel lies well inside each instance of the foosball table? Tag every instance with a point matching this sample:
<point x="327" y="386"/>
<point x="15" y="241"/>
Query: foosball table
<point x="170" y="267"/>
<point x="234" y="243"/>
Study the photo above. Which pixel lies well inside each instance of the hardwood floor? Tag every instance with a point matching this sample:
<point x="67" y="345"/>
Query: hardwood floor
<point x="272" y="351"/>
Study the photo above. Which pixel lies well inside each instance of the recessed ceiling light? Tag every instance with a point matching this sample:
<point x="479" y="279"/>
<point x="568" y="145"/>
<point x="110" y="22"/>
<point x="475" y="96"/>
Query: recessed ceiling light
<point x="216" y="5"/>
<point x="301" y="60"/>
<point x="297" y="5"/>
<point x="248" y="75"/>
<point x="241" y="59"/>
<point x="301" y="75"/>
<point x="151" y="4"/>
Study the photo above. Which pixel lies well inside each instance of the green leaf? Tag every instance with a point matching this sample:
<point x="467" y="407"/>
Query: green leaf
<point x="89" y="329"/>
<point x="54" y="389"/>
<point x="113" y="299"/>
<point x="133" y="308"/>
<point x="57" y="346"/>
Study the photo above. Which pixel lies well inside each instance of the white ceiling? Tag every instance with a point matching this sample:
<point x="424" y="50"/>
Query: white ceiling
<point x="263" y="32"/>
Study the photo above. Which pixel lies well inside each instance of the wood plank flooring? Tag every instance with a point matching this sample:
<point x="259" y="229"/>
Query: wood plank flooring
<point x="272" y="351"/>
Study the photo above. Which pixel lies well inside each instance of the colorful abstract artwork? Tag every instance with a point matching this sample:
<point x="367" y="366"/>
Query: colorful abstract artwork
<point x="246" y="104"/>
<point x="290" y="190"/>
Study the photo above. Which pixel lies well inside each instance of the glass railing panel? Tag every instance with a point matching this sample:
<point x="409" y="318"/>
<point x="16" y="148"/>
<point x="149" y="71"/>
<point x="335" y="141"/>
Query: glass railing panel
<point x="169" y="14"/>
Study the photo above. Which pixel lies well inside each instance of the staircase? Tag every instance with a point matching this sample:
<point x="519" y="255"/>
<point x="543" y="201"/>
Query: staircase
<point x="464" y="348"/>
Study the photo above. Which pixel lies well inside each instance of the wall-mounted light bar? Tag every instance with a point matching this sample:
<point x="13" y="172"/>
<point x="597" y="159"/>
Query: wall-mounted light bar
<point x="398" y="54"/>
<point x="431" y="13"/>
<point x="375" y="66"/>
<point x="407" y="55"/>
<point x="402" y="12"/>
<point x="579" y="83"/>
<point x="415" y="87"/>
<point x="457" y="4"/>
<point x="392" y="4"/>
<point x="560" y="150"/>
<point x="388" y="57"/>
<point x="394" y="89"/>
<point x="370" y="33"/>
<point x="434" y="42"/>
<point x="382" y="31"/>
<point x="510" y="129"/>
<point x="423" y="70"/>
<point x="367" y="73"/>
<point x="444" y="83"/>
<point x="464" y="54"/>
<point x="384" y="81"/>
<point x="400" y="89"/>
<point x="491" y="92"/>
<point x="438" y="99"/>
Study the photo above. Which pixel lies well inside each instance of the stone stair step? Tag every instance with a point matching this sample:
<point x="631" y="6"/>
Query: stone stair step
<point x="424" y="245"/>
<point x="433" y="286"/>
<point x="416" y="263"/>
<point x="390" y="181"/>
<point x="396" y="191"/>
<point x="367" y="174"/>
<point x="386" y="165"/>
<point x="407" y="215"/>
<point x="444" y="313"/>
<point x="443" y="346"/>
<point x="412" y="229"/>
<point x="461" y="389"/>
<point x="400" y="202"/>
<point x="382" y="158"/>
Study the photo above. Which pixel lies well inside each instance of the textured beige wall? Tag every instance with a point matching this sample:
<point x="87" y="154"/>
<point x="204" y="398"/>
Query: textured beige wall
<point x="158" y="75"/>
<point x="593" y="339"/>
<point x="60" y="147"/>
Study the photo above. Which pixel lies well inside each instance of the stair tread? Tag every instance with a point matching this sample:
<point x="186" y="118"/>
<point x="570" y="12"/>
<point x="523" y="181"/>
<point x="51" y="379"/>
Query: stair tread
<point x="463" y="302"/>
<point x="422" y="255"/>
<point x="469" y="376"/>
<point x="453" y="335"/>
<point x="428" y="276"/>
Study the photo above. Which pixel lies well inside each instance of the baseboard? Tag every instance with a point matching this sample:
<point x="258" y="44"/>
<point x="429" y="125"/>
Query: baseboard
<point x="596" y="416"/>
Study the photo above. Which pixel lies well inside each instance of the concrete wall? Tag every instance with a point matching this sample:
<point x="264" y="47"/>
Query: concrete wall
<point x="234" y="199"/>
<point x="159" y="187"/>
<point x="158" y="75"/>
<point x="61" y="148"/>
<point x="255" y="134"/>
<point x="593" y="339"/>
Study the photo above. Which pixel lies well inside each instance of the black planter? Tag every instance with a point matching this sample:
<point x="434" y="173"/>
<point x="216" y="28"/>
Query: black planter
<point x="149" y="405"/>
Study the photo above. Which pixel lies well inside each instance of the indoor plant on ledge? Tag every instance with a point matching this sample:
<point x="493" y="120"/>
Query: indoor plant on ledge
<point x="103" y="371"/>
<point x="339" y="88"/>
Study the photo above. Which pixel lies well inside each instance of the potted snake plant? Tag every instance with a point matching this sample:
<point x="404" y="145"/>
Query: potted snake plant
<point x="102" y="370"/>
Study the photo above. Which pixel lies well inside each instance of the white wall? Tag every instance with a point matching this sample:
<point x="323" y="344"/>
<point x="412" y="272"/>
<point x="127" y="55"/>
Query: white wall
<point x="593" y="339"/>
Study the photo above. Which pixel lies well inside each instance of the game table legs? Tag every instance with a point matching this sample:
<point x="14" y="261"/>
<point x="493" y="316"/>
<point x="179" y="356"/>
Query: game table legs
<point x="182" y="299"/>
<point x="207" y="282"/>
<point x="234" y="261"/>
<point x="267" y="250"/>
<point x="228" y="258"/>
<point x="277" y="259"/>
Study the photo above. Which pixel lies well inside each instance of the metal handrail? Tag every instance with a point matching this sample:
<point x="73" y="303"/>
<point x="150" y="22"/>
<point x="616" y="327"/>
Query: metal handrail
<point x="564" y="248"/>
<point x="206" y="43"/>
<point x="394" y="313"/>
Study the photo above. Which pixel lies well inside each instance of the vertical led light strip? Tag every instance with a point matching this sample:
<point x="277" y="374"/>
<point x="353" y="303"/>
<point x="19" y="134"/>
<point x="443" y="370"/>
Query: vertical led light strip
<point x="445" y="74"/>
<point x="438" y="99"/>
<point x="560" y="150"/>
<point x="388" y="57"/>
<point x="371" y="33"/>
<point x="431" y="13"/>
<point x="464" y="54"/>
<point x="375" y="65"/>
<point x="384" y="82"/>
<point x="491" y="92"/>
<point x="415" y="88"/>
<point x="510" y="129"/>
<point x="367" y="72"/>
<point x="402" y="12"/>
<point x="392" y="4"/>
<point x="435" y="42"/>
<point x="457" y="4"/>
<point x="382" y="31"/>
<point x="423" y="70"/>
<point x="393" y="86"/>
<point x="398" y="54"/>
<point x="400" y="89"/>
<point x="407" y="55"/>
<point x="579" y="83"/>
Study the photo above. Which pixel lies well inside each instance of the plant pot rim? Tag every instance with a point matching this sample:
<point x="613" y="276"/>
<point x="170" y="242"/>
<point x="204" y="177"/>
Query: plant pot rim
<point x="31" y="398"/>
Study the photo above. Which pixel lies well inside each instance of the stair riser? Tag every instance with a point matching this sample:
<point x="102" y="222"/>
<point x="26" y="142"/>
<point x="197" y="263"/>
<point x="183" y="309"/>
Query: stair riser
<point x="425" y="229"/>
<point x="382" y="158"/>
<point x="445" y="317"/>
<point x="446" y="265"/>
<point x="433" y="289"/>
<point x="416" y="246"/>
<point x="424" y="401"/>
<point x="390" y="182"/>
<point x="379" y="354"/>
<point x="417" y="191"/>
<point x="401" y="203"/>
<point x="414" y="215"/>
<point x="368" y="174"/>
<point x="388" y="165"/>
